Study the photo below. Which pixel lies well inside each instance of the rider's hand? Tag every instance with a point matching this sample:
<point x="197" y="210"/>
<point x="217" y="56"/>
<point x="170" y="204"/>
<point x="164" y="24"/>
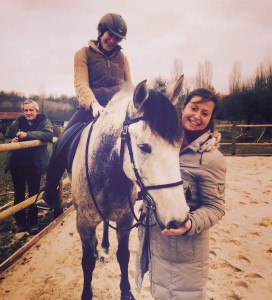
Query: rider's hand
<point x="179" y="231"/>
<point x="97" y="109"/>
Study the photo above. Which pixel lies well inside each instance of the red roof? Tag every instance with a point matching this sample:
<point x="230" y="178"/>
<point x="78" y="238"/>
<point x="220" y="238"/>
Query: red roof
<point x="11" y="115"/>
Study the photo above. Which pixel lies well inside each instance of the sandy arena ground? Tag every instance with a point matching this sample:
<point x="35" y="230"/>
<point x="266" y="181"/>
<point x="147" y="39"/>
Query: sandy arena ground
<point x="240" y="254"/>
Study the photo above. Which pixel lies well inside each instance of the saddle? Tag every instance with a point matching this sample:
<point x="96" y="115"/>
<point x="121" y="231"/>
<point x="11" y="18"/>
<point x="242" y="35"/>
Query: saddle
<point x="74" y="144"/>
<point x="68" y="142"/>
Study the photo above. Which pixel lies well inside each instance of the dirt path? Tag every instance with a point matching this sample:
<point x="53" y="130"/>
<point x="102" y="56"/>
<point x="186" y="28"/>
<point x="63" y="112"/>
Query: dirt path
<point x="241" y="250"/>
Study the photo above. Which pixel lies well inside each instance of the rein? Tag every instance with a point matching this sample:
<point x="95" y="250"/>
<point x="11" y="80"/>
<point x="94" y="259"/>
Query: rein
<point x="139" y="221"/>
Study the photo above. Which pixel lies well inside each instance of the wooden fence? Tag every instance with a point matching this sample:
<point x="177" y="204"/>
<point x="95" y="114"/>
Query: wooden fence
<point x="235" y="145"/>
<point x="24" y="204"/>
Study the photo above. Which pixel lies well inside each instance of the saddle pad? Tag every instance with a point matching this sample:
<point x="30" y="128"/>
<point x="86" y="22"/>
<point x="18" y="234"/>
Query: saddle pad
<point x="73" y="145"/>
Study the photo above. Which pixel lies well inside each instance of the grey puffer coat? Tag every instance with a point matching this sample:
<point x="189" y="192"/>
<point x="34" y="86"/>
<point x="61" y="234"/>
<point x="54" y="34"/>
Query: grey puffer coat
<point x="44" y="133"/>
<point x="178" y="266"/>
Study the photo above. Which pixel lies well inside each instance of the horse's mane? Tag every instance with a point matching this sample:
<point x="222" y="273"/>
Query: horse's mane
<point x="162" y="117"/>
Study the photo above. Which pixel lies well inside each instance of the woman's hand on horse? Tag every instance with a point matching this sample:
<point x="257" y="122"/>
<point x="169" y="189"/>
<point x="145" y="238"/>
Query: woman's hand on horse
<point x="97" y="109"/>
<point x="179" y="231"/>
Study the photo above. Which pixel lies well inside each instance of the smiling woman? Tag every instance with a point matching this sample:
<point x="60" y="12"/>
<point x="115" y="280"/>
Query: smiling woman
<point x="179" y="257"/>
<point x="197" y="113"/>
<point x="109" y="41"/>
<point x="100" y="70"/>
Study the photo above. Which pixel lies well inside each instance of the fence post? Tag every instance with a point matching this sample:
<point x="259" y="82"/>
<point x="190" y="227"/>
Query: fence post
<point x="234" y="134"/>
<point x="58" y="209"/>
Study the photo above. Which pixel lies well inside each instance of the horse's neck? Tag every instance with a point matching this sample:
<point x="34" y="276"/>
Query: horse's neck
<point x="111" y="122"/>
<point x="108" y="129"/>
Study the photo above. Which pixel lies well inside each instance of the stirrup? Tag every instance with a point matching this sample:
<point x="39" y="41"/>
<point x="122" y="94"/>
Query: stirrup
<point x="41" y="204"/>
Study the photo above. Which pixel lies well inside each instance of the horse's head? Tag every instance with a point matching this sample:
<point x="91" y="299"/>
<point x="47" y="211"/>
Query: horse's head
<point x="155" y="138"/>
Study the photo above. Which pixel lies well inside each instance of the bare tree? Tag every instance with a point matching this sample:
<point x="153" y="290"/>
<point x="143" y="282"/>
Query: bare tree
<point x="188" y="86"/>
<point x="204" y="75"/>
<point x="177" y="70"/>
<point x="42" y="100"/>
<point x="160" y="84"/>
<point x="235" y="81"/>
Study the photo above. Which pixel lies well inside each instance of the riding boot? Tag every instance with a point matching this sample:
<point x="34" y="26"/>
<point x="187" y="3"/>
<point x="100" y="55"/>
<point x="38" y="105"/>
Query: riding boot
<point x="54" y="174"/>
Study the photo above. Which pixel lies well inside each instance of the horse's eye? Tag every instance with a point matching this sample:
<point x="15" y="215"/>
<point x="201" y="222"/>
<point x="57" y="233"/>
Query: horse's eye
<point x="145" y="148"/>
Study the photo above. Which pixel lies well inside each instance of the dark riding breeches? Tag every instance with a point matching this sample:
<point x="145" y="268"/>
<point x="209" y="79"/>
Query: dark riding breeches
<point x="58" y="160"/>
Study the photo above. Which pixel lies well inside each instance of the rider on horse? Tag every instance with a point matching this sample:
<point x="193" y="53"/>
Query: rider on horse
<point x="99" y="72"/>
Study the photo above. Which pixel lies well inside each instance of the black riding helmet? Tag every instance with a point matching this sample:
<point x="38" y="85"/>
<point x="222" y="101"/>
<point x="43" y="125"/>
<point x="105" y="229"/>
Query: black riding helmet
<point x="114" y="23"/>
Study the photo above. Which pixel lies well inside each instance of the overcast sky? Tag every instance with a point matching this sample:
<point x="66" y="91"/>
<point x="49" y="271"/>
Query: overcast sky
<point x="38" y="39"/>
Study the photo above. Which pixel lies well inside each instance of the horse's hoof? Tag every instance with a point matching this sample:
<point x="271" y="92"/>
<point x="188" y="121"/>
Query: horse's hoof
<point x="87" y="295"/>
<point x="127" y="296"/>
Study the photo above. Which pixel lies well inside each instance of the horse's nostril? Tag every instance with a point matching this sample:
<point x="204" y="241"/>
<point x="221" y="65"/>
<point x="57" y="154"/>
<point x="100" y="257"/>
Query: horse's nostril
<point x="173" y="225"/>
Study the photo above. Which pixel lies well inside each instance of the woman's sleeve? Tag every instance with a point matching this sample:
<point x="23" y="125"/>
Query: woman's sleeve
<point x="211" y="193"/>
<point x="84" y="93"/>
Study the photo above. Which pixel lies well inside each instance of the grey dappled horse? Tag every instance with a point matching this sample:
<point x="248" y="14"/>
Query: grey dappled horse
<point x="134" y="145"/>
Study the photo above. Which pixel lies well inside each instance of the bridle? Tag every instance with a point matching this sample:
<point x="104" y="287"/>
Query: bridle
<point x="143" y="193"/>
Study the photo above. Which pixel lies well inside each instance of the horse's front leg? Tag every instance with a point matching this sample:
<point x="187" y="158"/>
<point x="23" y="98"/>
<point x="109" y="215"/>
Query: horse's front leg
<point x="89" y="256"/>
<point x="123" y="255"/>
<point x="105" y="241"/>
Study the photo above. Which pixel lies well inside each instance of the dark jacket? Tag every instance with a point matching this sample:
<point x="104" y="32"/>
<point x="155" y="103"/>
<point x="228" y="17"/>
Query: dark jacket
<point x="44" y="133"/>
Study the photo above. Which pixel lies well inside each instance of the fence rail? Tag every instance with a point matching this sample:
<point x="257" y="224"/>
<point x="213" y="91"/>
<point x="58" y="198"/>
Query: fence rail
<point x="23" y="145"/>
<point x="27" y="202"/>
<point x="234" y="144"/>
<point x="242" y="125"/>
<point x="24" y="204"/>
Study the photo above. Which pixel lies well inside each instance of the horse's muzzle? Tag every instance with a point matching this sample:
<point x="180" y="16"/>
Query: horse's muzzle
<point x="177" y="224"/>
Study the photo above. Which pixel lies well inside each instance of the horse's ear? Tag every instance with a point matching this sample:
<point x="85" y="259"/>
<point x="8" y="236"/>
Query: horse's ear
<point x="177" y="90"/>
<point x="140" y="94"/>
